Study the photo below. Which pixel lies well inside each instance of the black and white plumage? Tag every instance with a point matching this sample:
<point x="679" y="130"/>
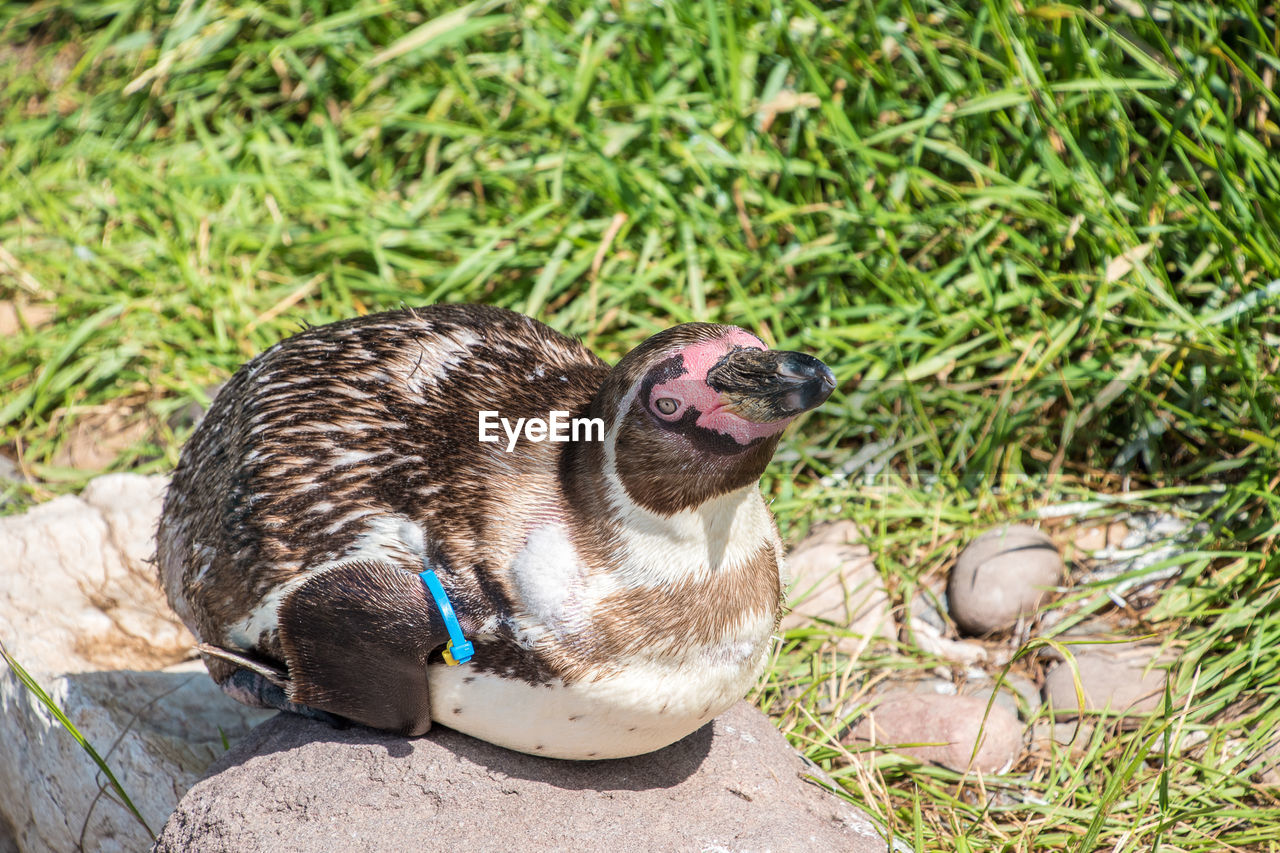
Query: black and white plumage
<point x="620" y="593"/>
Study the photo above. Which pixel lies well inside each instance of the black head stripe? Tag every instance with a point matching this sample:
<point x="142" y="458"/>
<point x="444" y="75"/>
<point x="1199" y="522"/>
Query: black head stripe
<point x="664" y="371"/>
<point x="703" y="440"/>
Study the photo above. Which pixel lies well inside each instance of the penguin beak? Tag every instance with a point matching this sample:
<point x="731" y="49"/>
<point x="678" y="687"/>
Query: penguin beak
<point x="764" y="386"/>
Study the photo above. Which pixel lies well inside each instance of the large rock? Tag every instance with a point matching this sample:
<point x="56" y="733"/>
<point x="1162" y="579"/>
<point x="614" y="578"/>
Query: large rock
<point x="1014" y="692"/>
<point x="295" y="784"/>
<point x="834" y="581"/>
<point x="81" y="612"/>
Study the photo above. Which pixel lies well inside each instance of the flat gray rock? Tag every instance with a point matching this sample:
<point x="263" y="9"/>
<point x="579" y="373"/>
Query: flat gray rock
<point x="295" y="784"/>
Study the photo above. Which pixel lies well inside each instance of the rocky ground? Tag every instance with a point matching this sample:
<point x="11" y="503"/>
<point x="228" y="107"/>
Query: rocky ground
<point x="80" y="611"/>
<point x="1020" y="665"/>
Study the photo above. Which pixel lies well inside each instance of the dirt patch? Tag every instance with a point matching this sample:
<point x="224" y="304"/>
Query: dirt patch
<point x="16" y="316"/>
<point x="99" y="434"/>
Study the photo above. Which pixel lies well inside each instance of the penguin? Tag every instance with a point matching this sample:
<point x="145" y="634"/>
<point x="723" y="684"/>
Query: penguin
<point x="343" y="544"/>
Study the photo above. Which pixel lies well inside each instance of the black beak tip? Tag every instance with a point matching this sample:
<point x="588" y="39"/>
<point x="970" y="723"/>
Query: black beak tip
<point x="825" y="383"/>
<point x="782" y="384"/>
<point x="812" y="379"/>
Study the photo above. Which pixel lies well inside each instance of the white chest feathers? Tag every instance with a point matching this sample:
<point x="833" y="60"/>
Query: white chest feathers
<point x="648" y="699"/>
<point x="554" y="596"/>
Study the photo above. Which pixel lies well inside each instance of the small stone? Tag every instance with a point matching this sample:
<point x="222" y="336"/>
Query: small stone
<point x="735" y="784"/>
<point x="1124" y="678"/>
<point x="925" y="606"/>
<point x="1000" y="656"/>
<point x="1002" y="576"/>
<point x="1048" y="733"/>
<point x="1099" y="536"/>
<point x="944" y="729"/>
<point x="1183" y="743"/>
<point x="1194" y="739"/>
<point x="1016" y="693"/>
<point x="834" y="580"/>
<point x="930" y="640"/>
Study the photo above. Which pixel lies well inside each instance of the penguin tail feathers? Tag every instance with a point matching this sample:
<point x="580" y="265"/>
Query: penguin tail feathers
<point x="273" y="674"/>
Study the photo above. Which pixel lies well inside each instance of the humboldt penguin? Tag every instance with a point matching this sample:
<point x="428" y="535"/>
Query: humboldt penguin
<point x="340" y="539"/>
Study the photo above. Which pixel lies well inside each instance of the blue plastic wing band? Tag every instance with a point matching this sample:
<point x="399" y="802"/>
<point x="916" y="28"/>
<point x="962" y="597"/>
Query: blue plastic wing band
<point x="458" y="650"/>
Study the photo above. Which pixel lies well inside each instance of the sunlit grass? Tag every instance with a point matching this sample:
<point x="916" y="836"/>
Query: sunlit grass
<point x="1039" y="245"/>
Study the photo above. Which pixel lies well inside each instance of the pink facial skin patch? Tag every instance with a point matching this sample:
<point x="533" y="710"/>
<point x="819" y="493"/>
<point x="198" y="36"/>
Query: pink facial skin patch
<point x="692" y="390"/>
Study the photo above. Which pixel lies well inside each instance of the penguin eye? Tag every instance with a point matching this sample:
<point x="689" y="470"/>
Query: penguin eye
<point x="666" y="405"/>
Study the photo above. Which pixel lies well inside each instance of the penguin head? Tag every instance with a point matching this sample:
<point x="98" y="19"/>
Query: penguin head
<point x="696" y="412"/>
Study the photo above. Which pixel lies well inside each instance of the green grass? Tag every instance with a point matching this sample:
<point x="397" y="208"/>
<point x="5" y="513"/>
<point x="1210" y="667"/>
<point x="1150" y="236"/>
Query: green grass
<point x="1038" y="243"/>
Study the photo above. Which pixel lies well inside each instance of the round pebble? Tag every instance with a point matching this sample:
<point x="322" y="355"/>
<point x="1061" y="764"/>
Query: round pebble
<point x="943" y="730"/>
<point x="1002" y="576"/>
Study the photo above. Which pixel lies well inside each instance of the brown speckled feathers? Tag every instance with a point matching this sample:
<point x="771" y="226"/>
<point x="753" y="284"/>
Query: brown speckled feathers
<point x="367" y="417"/>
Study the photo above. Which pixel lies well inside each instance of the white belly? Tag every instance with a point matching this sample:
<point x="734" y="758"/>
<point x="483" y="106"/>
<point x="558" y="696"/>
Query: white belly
<point x="644" y="707"/>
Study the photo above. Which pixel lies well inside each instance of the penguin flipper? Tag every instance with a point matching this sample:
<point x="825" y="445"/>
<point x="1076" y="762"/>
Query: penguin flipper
<point x="356" y="640"/>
